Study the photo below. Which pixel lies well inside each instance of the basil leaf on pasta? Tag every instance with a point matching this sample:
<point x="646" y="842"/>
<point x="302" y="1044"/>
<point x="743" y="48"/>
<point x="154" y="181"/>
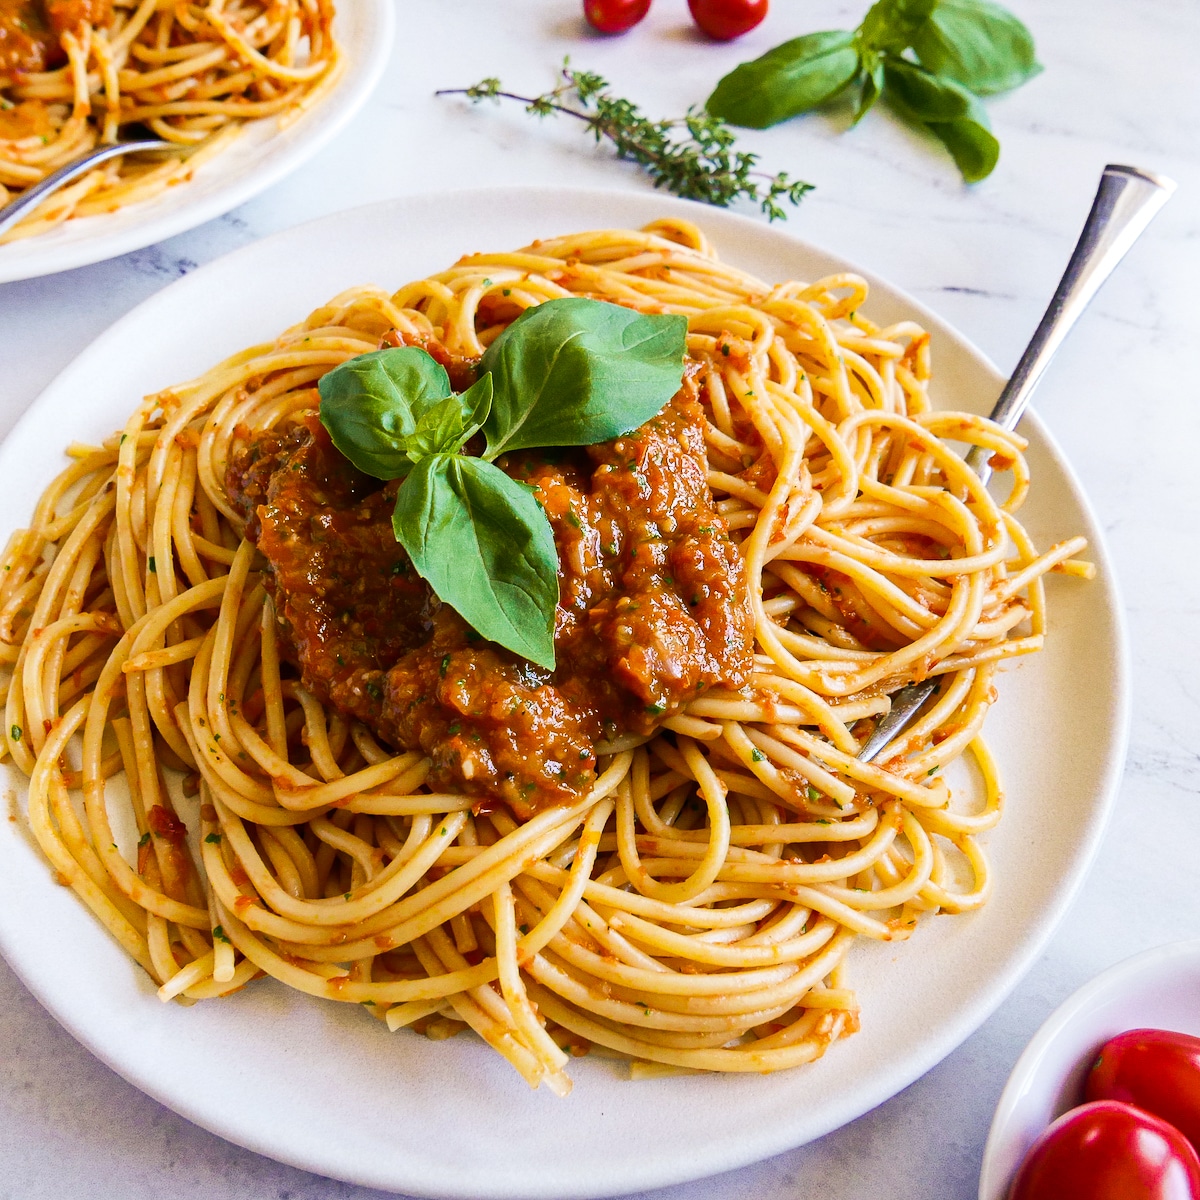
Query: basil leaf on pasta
<point x="372" y="405"/>
<point x="574" y="371"/>
<point x="447" y="426"/>
<point x="484" y="545"/>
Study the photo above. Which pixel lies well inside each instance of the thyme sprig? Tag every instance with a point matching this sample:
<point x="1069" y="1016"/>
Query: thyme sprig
<point x="691" y="156"/>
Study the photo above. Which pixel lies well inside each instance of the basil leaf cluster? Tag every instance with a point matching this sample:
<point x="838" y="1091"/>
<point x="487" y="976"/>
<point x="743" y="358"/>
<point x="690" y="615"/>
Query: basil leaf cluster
<point x="930" y="60"/>
<point x="569" y="372"/>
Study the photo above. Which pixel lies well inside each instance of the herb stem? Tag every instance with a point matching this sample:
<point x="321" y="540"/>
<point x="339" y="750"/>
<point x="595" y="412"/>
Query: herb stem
<point x="532" y="103"/>
<point x="701" y="165"/>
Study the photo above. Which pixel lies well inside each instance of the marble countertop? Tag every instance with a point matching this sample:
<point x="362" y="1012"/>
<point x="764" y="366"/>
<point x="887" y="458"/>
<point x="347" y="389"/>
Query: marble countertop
<point x="1123" y="400"/>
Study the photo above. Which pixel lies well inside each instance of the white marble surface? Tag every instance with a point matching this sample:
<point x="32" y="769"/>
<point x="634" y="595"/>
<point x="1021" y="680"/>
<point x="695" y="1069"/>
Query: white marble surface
<point x="1123" y="399"/>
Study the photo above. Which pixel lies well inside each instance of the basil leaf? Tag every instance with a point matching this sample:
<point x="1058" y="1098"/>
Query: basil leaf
<point x="923" y="95"/>
<point x="978" y="44"/>
<point x="484" y="545"/>
<point x="793" y="78"/>
<point x="371" y="405"/>
<point x="949" y="112"/>
<point x="892" y="24"/>
<point x="872" y="85"/>
<point x="573" y="372"/>
<point x="973" y="146"/>
<point x="447" y="426"/>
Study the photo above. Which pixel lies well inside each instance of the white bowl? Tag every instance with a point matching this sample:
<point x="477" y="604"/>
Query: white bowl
<point x="1159" y="989"/>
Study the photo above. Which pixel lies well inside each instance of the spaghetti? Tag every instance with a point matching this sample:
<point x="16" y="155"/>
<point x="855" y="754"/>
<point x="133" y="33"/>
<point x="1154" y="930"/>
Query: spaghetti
<point x="75" y="74"/>
<point x="695" y="906"/>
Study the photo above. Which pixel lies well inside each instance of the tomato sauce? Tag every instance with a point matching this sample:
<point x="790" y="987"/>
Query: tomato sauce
<point x="31" y="31"/>
<point x="652" y="606"/>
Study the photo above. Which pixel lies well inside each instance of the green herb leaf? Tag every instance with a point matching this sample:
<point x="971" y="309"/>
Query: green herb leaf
<point x="484" y="545"/>
<point x="872" y="84"/>
<point x="972" y="145"/>
<point x="891" y="25"/>
<point x="793" y="78"/>
<point x="978" y="44"/>
<point x="949" y="112"/>
<point x="694" y="156"/>
<point x="922" y="95"/>
<point x="447" y="426"/>
<point x="574" y="371"/>
<point x="372" y="404"/>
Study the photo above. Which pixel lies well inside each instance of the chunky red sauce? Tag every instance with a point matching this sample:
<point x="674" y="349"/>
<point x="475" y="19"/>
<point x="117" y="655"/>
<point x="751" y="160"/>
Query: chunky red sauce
<point x="651" y="611"/>
<point x="31" y="30"/>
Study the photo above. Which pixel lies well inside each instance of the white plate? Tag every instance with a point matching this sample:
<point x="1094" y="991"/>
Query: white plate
<point x="1158" y="989"/>
<point x="259" y="157"/>
<point x="325" y="1087"/>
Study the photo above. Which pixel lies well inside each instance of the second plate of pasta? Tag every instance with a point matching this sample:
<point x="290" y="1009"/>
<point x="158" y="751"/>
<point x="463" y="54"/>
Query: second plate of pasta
<point x="255" y="111"/>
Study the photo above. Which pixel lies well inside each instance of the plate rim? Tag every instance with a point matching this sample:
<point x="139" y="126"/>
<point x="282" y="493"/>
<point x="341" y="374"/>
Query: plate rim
<point x="327" y="119"/>
<point x="967" y="1019"/>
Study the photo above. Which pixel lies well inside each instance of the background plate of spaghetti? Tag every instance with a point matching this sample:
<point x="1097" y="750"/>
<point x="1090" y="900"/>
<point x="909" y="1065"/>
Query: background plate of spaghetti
<point x="249" y="92"/>
<point x="781" y="901"/>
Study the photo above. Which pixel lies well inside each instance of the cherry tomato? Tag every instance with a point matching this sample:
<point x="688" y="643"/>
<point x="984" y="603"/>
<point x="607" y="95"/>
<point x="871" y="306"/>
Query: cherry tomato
<point x="1157" y="1071"/>
<point x="1107" y="1150"/>
<point x="614" y="16"/>
<point x="727" y="19"/>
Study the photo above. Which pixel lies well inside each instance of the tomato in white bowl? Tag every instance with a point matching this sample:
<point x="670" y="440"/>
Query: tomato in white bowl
<point x="1156" y="990"/>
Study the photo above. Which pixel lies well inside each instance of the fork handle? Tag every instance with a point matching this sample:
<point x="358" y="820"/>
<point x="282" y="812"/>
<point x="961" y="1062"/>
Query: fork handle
<point x="1126" y="202"/>
<point x="12" y="212"/>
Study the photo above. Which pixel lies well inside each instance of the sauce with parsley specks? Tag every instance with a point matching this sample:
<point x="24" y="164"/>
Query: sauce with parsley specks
<point x="652" y="607"/>
<point x="31" y="32"/>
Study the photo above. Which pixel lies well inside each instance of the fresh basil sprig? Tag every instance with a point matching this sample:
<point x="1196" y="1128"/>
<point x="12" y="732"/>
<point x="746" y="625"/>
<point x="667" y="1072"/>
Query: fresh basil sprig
<point x="569" y="372"/>
<point x="484" y="545"/>
<point x="574" y="372"/>
<point x="388" y="410"/>
<point x="930" y="60"/>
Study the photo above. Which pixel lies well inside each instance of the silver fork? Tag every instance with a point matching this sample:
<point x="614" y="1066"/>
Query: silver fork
<point x="1125" y="204"/>
<point x="12" y="212"/>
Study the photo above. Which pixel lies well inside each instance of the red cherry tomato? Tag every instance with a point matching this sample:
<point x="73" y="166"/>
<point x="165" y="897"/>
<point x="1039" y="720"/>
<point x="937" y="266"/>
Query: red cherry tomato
<point x="727" y="19"/>
<point x="1109" y="1151"/>
<point x="1155" y="1070"/>
<point x="614" y="16"/>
